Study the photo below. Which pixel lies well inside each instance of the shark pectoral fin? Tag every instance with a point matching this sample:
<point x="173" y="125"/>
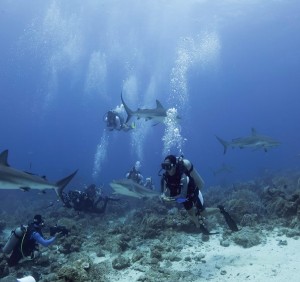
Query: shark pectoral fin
<point x="25" y="189"/>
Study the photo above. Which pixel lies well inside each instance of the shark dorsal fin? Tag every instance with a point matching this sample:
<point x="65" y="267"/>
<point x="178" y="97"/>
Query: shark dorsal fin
<point x="3" y="158"/>
<point x="159" y="105"/>
<point x="253" y="131"/>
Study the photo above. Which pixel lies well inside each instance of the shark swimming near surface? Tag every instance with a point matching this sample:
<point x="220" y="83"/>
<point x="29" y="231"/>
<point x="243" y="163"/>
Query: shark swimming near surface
<point x="157" y="114"/>
<point x="13" y="179"/>
<point x="130" y="188"/>
<point x="254" y="141"/>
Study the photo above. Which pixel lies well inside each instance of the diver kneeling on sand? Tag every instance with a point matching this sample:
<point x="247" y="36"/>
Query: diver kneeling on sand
<point x="181" y="183"/>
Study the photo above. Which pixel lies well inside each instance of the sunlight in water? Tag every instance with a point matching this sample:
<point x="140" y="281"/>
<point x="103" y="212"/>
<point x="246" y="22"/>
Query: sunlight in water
<point x="96" y="75"/>
<point x="100" y="155"/>
<point x="172" y="138"/>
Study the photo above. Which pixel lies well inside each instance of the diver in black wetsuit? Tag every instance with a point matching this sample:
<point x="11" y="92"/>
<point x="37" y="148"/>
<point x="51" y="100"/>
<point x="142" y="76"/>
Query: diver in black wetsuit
<point x="90" y="200"/>
<point x="181" y="183"/>
<point x="135" y="174"/>
<point x="115" y="121"/>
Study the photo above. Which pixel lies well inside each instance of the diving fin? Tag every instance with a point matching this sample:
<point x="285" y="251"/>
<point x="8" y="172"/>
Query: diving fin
<point x="230" y="222"/>
<point x="198" y="220"/>
<point x="205" y="231"/>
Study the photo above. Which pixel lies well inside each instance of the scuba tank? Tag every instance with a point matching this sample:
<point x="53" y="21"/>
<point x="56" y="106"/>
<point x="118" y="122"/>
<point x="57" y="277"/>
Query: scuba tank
<point x="15" y="237"/>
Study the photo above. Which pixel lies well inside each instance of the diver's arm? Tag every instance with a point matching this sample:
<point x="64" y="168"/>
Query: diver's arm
<point x="193" y="173"/>
<point x="165" y="192"/>
<point x="44" y="242"/>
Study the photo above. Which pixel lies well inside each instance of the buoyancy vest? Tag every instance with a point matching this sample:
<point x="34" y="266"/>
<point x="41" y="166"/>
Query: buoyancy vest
<point x="174" y="183"/>
<point x="134" y="175"/>
<point x="27" y="243"/>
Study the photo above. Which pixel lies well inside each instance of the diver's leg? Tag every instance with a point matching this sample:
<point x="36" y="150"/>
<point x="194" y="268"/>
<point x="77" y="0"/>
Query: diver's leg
<point x="15" y="257"/>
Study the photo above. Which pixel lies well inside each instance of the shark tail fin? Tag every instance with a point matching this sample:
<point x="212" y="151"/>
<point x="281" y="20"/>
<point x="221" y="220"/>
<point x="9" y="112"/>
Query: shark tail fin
<point x="127" y="109"/>
<point x="224" y="143"/>
<point x="61" y="184"/>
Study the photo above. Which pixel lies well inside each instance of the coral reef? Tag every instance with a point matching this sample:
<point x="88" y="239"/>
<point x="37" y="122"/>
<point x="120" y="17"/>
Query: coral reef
<point x="147" y="236"/>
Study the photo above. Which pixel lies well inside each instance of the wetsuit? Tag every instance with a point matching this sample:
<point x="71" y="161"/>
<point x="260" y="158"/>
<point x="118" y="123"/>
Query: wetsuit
<point x="28" y="244"/>
<point x="182" y="183"/>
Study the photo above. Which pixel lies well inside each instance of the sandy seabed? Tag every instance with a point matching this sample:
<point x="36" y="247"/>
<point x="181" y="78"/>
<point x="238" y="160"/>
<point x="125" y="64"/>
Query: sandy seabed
<point x="277" y="259"/>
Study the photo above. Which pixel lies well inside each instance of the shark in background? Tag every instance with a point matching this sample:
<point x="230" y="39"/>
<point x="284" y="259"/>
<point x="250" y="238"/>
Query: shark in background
<point x="254" y="141"/>
<point x="157" y="114"/>
<point x="222" y="169"/>
<point x="130" y="188"/>
<point x="13" y="179"/>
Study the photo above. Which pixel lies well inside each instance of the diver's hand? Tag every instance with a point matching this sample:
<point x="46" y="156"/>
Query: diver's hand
<point x="165" y="198"/>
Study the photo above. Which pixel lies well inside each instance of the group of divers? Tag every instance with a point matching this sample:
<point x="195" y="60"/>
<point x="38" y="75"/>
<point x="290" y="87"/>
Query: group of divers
<point x="181" y="184"/>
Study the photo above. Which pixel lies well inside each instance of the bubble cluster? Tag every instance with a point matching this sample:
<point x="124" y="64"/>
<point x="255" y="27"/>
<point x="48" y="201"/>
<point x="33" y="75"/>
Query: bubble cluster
<point x="202" y="51"/>
<point x="138" y="137"/>
<point x="100" y="154"/>
<point x="172" y="139"/>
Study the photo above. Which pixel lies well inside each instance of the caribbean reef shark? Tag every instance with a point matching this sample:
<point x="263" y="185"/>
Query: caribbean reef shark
<point x="12" y="179"/>
<point x="130" y="188"/>
<point x="157" y="114"/>
<point x="255" y="141"/>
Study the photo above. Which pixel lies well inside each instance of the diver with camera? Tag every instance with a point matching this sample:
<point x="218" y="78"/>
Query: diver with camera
<point x="90" y="200"/>
<point x="24" y="240"/>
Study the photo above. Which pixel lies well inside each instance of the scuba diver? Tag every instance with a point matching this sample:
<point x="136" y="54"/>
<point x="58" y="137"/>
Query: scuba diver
<point x="114" y="121"/>
<point x="134" y="174"/>
<point x="181" y="183"/>
<point x="24" y="240"/>
<point x="87" y="200"/>
<point x="149" y="184"/>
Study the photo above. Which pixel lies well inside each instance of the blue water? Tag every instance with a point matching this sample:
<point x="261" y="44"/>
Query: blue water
<point x="225" y="66"/>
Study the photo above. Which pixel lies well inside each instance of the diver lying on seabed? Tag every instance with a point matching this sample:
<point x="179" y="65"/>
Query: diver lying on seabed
<point x="181" y="183"/>
<point x="87" y="200"/>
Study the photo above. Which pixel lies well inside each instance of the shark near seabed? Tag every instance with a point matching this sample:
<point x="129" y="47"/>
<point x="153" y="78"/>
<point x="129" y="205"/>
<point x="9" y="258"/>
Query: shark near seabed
<point x="12" y="179"/>
<point x="255" y="141"/>
<point x="157" y="114"/>
<point x="130" y="188"/>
